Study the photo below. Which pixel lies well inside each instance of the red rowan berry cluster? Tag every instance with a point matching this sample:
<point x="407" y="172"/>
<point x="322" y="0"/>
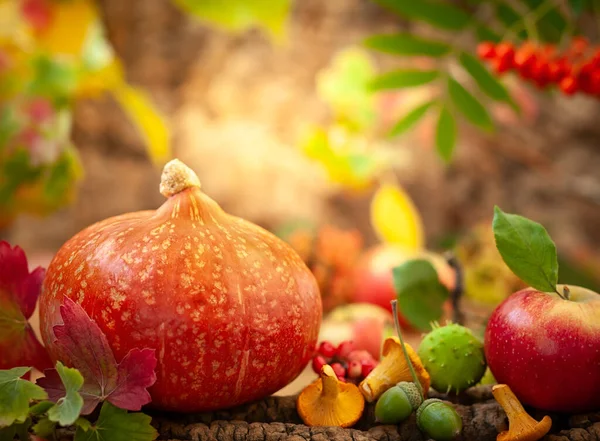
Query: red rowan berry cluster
<point x="575" y="69"/>
<point x="348" y="363"/>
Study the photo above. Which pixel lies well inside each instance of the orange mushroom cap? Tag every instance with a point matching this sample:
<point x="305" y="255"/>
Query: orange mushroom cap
<point x="393" y="369"/>
<point x="521" y="426"/>
<point x="330" y="402"/>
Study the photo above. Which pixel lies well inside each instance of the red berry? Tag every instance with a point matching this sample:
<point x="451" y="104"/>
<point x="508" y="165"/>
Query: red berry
<point x="359" y="355"/>
<point x="540" y="73"/>
<point x="317" y="363"/>
<point x="584" y="78"/>
<point x="354" y="369"/>
<point x="326" y="349"/>
<point x="500" y="66"/>
<point x="486" y="50"/>
<point x="506" y="53"/>
<point x="578" y="45"/>
<point x="595" y="82"/>
<point x="525" y="56"/>
<point x="339" y="370"/>
<point x="568" y="85"/>
<point x="38" y="13"/>
<point x="344" y="348"/>
<point x="367" y="366"/>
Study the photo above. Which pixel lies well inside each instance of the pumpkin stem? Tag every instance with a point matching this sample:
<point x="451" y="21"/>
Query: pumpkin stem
<point x="176" y="177"/>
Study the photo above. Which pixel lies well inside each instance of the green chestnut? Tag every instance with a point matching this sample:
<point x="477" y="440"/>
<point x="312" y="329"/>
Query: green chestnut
<point x="438" y="420"/>
<point x="397" y="403"/>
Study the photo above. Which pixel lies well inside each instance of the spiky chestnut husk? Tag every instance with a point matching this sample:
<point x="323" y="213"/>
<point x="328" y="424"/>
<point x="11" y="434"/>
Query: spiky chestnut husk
<point x="438" y="420"/>
<point x="454" y="358"/>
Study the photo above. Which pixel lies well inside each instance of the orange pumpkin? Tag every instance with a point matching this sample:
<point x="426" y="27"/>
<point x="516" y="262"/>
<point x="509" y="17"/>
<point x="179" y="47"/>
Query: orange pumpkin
<point x="231" y="310"/>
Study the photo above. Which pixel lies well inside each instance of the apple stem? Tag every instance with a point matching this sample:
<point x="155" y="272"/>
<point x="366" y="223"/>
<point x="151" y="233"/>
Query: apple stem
<point x="566" y="292"/>
<point x="407" y="358"/>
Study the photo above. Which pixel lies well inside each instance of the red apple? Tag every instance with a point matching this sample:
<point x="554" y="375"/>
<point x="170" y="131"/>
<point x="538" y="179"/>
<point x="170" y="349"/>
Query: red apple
<point x="373" y="279"/>
<point x="547" y="349"/>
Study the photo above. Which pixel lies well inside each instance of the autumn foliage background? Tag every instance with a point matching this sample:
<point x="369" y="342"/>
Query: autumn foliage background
<point x="268" y="105"/>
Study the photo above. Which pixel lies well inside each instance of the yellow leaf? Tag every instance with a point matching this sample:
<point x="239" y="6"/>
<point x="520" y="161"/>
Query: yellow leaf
<point x="71" y="21"/>
<point x="93" y="83"/>
<point x="395" y="218"/>
<point x="150" y="123"/>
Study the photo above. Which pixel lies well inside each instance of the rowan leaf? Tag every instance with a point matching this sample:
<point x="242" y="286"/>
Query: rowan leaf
<point x="400" y="79"/>
<point x="487" y="82"/>
<point x="439" y="14"/>
<point x="68" y="407"/>
<point x="407" y="44"/>
<point x="469" y="106"/>
<point x="19" y="291"/>
<point x="445" y="134"/>
<point x="82" y="345"/>
<point x="411" y="118"/>
<point x="16" y="394"/>
<point x="116" y="424"/>
<point x="395" y="218"/>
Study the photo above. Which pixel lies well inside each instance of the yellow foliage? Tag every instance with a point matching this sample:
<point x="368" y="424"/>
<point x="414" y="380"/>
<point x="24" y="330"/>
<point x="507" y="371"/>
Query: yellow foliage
<point x="71" y="21"/>
<point x="151" y="125"/>
<point x="395" y="218"/>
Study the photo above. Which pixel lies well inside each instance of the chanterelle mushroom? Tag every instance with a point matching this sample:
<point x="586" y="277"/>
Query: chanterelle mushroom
<point x="521" y="426"/>
<point x="330" y="402"/>
<point x="392" y="370"/>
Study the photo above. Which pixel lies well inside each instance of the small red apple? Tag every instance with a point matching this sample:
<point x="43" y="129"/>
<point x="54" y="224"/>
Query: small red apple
<point x="547" y="349"/>
<point x="373" y="278"/>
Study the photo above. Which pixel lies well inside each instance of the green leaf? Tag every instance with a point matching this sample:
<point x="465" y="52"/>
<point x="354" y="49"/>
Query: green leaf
<point x="400" y="79"/>
<point x="20" y="431"/>
<point x="68" y="408"/>
<point x="83" y="423"/>
<point x="469" y="106"/>
<point x="116" y="424"/>
<point x="510" y="19"/>
<point x="15" y="395"/>
<point x="407" y="44"/>
<point x="577" y="6"/>
<point x="44" y="428"/>
<point x="445" y="134"/>
<point x="411" y="118"/>
<point x="527" y="250"/>
<point x="483" y="33"/>
<point x="421" y="296"/>
<point x="439" y="14"/>
<point x="484" y="79"/>
<point x="40" y="408"/>
<point x="551" y="24"/>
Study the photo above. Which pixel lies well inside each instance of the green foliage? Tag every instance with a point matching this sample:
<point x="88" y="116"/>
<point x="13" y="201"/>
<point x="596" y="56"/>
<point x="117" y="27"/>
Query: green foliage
<point x="400" y="79"/>
<point x="411" y="118"/>
<point x="445" y="134"/>
<point x="487" y="82"/>
<point x="469" y="106"/>
<point x="16" y="394"/>
<point x="458" y="27"/>
<point x="116" y="424"/>
<point x="407" y="44"/>
<point x="527" y="249"/>
<point x="240" y="15"/>
<point x="44" y="428"/>
<point x="68" y="408"/>
<point x="421" y="296"/>
<point x="440" y="14"/>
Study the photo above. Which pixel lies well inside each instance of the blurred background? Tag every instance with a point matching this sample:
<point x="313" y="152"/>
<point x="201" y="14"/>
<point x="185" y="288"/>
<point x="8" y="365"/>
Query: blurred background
<point x="363" y="132"/>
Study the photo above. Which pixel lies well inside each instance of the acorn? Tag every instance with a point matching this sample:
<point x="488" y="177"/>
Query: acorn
<point x="438" y="420"/>
<point x="397" y="403"/>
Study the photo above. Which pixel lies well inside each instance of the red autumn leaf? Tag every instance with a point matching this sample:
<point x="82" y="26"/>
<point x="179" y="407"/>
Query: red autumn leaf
<point x="19" y="291"/>
<point x="81" y="344"/>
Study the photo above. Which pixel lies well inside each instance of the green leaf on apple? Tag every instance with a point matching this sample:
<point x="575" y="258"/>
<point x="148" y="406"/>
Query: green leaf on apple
<point x="421" y="296"/>
<point x="527" y="249"/>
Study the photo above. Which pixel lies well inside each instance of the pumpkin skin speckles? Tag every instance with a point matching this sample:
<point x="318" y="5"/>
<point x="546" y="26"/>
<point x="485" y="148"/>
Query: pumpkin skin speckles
<point x="232" y="311"/>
